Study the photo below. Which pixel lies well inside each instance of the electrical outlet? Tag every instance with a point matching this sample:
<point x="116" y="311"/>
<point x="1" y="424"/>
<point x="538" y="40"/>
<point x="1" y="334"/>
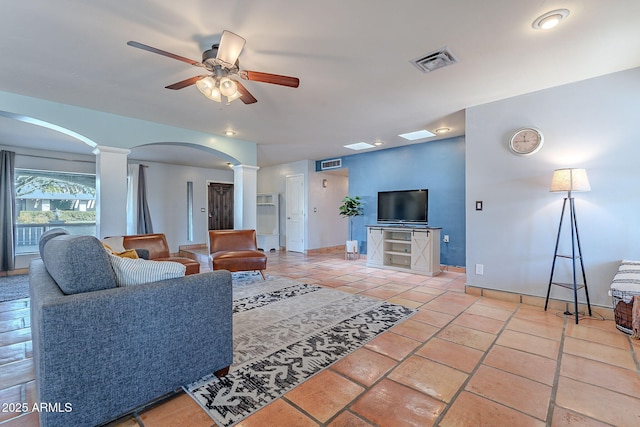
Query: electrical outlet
<point x="480" y="269"/>
<point x="445" y="238"/>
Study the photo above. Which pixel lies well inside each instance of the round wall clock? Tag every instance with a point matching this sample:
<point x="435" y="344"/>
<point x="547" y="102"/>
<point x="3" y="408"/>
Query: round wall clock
<point x="526" y="141"/>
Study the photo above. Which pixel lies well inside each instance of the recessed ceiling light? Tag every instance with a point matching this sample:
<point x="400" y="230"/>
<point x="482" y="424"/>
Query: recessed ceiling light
<point x="359" y="146"/>
<point x="550" y="19"/>
<point x="230" y="164"/>
<point x="378" y="143"/>
<point x="442" y="130"/>
<point x="229" y="132"/>
<point x="419" y="134"/>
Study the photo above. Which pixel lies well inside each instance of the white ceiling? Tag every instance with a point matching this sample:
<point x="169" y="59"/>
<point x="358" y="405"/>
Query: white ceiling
<point x="352" y="58"/>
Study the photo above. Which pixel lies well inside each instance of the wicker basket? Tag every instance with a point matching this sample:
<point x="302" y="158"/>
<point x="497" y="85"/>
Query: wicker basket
<point x="622" y="310"/>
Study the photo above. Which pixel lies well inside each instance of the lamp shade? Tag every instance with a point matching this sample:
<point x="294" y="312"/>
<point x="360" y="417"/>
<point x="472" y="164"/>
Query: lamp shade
<point x="570" y="180"/>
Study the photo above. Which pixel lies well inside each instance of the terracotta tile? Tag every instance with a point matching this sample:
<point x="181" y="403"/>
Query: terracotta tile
<point x="526" y="365"/>
<point x="611" y="338"/>
<point x="509" y="390"/>
<point x="544" y="330"/>
<point x="178" y="411"/>
<point x="469" y="337"/>
<point x="393" y="345"/>
<point x="431" y="378"/>
<point x="30" y="419"/>
<point x="424" y="289"/>
<point x="535" y="314"/>
<point x="601" y="374"/>
<point x="434" y="318"/>
<point x="391" y="404"/>
<point x="405" y="302"/>
<point x="12" y="353"/>
<point x="380" y="293"/>
<point x="480" y="323"/>
<point x="499" y="304"/>
<point x="347" y="419"/>
<point x="564" y="418"/>
<point x="416" y="330"/>
<point x="414" y="295"/>
<point x="470" y="410"/>
<point x="324" y="395"/>
<point x="529" y="343"/>
<point x="7" y="396"/>
<point x="444" y="306"/>
<point x="364" y="366"/>
<point x="16" y="373"/>
<point x="491" y="312"/>
<point x="599" y="352"/>
<point x="599" y="403"/>
<point x="278" y="413"/>
<point x="451" y="354"/>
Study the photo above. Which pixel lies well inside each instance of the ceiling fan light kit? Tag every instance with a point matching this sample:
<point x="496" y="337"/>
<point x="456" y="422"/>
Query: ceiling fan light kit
<point x="222" y="62"/>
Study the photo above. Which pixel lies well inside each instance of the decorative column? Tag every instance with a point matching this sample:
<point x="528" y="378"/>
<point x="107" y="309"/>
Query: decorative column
<point x="111" y="191"/>
<point x="245" y="190"/>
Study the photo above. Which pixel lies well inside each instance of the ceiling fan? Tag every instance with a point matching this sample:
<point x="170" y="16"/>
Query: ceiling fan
<point x="222" y="63"/>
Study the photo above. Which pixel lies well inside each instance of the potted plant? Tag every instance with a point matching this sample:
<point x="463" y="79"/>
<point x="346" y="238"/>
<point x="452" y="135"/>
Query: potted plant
<point x="351" y="206"/>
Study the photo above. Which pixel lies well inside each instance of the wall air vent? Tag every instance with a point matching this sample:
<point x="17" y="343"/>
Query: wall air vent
<point x="434" y="60"/>
<point x="330" y="164"/>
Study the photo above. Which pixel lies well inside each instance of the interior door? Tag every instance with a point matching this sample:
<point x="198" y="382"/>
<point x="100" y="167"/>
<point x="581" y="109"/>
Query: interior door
<point x="295" y="213"/>
<point x="220" y="206"/>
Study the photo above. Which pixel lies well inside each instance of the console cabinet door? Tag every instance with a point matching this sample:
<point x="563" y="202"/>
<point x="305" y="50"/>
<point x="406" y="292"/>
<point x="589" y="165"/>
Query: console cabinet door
<point x="375" y="246"/>
<point x="421" y="247"/>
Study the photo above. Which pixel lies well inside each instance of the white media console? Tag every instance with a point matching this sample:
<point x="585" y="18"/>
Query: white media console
<point x="414" y="249"/>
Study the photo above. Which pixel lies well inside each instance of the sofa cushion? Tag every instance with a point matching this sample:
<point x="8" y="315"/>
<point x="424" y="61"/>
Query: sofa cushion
<point x="78" y="264"/>
<point x="131" y="272"/>
<point x="48" y="235"/>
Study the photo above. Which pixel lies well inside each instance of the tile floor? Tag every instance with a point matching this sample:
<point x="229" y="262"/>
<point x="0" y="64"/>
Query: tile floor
<point x="462" y="360"/>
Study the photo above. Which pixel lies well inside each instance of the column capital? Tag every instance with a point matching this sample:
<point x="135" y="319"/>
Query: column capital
<point x="105" y="149"/>
<point x="245" y="167"/>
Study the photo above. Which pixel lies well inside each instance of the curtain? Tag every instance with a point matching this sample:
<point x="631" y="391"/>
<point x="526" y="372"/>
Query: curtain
<point x="7" y="210"/>
<point x="144" y="217"/>
<point x="132" y="198"/>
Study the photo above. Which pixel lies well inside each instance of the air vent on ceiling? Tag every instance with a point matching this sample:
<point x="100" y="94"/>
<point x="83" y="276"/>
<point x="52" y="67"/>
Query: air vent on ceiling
<point x="434" y="60"/>
<point x="330" y="164"/>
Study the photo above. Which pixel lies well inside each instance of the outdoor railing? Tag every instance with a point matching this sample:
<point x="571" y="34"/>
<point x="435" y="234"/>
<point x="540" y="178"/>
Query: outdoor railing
<point x="28" y="235"/>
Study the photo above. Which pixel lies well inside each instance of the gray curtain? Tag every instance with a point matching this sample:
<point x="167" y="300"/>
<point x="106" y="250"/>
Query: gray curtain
<point x="7" y="210"/>
<point x="144" y="217"/>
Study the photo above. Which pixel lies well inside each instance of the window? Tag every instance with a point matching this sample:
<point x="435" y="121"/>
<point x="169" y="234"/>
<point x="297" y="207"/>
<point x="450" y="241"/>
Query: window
<point x="49" y="199"/>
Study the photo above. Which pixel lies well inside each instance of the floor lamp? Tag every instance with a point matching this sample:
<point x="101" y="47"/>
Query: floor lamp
<point x="570" y="180"/>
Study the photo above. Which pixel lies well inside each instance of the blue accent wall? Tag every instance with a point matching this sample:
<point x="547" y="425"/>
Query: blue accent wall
<point x="438" y="166"/>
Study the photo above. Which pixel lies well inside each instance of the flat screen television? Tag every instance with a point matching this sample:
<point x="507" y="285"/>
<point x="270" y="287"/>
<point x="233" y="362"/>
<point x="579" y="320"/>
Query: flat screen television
<point x="404" y="206"/>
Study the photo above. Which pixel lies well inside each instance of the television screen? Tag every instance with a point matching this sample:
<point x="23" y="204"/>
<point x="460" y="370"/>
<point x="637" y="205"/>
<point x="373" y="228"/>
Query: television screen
<point x="403" y="206"/>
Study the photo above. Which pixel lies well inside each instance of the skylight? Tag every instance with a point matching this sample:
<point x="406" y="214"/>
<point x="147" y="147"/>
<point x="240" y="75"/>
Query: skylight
<point x="359" y="146"/>
<point x="419" y="134"/>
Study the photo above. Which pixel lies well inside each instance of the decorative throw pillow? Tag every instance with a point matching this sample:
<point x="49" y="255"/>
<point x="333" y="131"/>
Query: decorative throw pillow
<point x="130" y="253"/>
<point x="115" y="244"/>
<point x="137" y="271"/>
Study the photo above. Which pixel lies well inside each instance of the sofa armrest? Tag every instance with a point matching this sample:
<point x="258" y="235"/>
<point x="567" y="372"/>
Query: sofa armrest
<point x="108" y="351"/>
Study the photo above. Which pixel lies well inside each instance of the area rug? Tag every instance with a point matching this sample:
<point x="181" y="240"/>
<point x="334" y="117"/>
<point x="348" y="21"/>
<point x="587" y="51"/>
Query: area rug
<point x="284" y="332"/>
<point x="14" y="287"/>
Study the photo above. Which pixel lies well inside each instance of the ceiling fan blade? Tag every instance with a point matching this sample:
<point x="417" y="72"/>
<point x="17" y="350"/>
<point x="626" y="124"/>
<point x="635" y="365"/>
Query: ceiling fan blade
<point x="185" y="83"/>
<point x="245" y="96"/>
<point x="230" y="47"/>
<point x="165" y="53"/>
<point x="275" y="79"/>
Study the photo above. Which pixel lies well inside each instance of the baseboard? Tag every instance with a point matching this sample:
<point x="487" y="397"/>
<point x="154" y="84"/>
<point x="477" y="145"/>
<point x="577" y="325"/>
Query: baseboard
<point x="536" y="301"/>
<point x="16" y="272"/>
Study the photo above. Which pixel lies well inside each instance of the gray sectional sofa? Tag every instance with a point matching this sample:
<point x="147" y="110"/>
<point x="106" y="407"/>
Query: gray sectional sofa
<point x="101" y="351"/>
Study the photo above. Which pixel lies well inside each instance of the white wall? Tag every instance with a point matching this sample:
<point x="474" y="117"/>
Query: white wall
<point x="591" y="124"/>
<point x="323" y="227"/>
<point x="167" y="197"/>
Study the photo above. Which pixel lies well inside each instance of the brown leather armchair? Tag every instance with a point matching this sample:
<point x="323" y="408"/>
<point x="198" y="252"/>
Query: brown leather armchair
<point x="158" y="249"/>
<point x="235" y="250"/>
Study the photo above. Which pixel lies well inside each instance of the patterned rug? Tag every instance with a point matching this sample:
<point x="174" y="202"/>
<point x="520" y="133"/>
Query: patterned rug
<point x="284" y="333"/>
<point x="14" y="287"/>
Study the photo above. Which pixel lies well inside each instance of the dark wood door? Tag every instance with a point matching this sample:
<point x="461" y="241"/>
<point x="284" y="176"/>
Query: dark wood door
<point x="220" y="206"/>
